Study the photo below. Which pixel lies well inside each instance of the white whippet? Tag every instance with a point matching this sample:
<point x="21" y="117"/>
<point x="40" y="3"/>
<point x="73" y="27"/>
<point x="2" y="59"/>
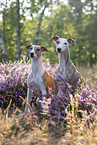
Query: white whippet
<point x="66" y="69"/>
<point x="39" y="80"/>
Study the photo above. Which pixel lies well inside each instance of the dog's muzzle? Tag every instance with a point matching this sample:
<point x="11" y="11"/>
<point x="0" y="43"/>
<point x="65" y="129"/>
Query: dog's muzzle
<point x="32" y="55"/>
<point x="59" y="50"/>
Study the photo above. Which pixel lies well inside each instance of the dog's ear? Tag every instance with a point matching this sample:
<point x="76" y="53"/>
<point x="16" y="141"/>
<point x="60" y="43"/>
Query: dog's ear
<point x="28" y="46"/>
<point x="70" y="40"/>
<point x="43" y="48"/>
<point x="55" y="38"/>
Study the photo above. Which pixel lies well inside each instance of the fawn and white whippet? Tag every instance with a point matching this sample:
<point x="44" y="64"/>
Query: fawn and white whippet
<point x="39" y="79"/>
<point x="66" y="68"/>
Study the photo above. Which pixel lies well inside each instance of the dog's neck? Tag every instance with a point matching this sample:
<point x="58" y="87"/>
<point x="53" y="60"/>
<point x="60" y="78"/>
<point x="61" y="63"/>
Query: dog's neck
<point x="64" y="57"/>
<point x="37" y="65"/>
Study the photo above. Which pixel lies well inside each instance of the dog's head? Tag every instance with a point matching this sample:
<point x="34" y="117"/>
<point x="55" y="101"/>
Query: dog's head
<point x="36" y="51"/>
<point x="62" y="44"/>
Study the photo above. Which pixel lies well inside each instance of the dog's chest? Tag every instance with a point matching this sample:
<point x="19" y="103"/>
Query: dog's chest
<point x="64" y="70"/>
<point x="34" y="81"/>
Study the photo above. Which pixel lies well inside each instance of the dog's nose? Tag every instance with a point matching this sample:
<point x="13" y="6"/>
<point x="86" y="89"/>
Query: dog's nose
<point x="32" y="54"/>
<point x="59" y="50"/>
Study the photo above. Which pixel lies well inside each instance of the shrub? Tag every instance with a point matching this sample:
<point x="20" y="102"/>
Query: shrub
<point x="13" y="83"/>
<point x="84" y="99"/>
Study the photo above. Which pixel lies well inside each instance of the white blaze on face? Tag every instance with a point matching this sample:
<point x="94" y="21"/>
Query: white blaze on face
<point x="35" y="51"/>
<point x="33" y="48"/>
<point x="63" y="44"/>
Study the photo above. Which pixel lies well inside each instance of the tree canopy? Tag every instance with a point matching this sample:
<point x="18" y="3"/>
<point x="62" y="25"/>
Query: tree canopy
<point x="76" y="19"/>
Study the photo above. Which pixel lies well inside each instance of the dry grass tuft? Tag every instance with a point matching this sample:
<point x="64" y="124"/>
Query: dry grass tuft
<point x="15" y="130"/>
<point x="89" y="73"/>
<point x="79" y="132"/>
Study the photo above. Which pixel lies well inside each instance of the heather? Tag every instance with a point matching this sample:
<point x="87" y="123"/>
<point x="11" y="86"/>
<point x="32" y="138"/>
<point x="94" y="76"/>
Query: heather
<point x="83" y="100"/>
<point x="70" y="118"/>
<point x="13" y="83"/>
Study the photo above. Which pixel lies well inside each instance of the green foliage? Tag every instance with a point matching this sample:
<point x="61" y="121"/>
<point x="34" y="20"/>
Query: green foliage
<point x="73" y="20"/>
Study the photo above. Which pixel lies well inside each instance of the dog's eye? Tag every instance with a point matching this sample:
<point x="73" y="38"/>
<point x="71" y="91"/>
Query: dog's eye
<point x="57" y="42"/>
<point x="65" y="43"/>
<point x="31" y="48"/>
<point x="37" y="49"/>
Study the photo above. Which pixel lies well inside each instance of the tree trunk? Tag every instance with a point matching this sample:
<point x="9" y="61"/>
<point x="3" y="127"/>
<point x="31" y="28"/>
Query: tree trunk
<point x="38" y="27"/>
<point x="3" y="47"/>
<point x="18" y="54"/>
<point x="3" y="32"/>
<point x="39" y="24"/>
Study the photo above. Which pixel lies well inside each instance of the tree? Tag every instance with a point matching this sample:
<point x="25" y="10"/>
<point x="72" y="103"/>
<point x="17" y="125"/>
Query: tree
<point x="18" y="54"/>
<point x="2" y="34"/>
<point x="7" y="27"/>
<point x="39" y="24"/>
<point x="91" y="33"/>
<point x="3" y="47"/>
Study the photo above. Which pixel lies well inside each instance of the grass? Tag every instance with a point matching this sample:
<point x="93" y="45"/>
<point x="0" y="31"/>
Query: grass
<point x="89" y="73"/>
<point x="28" y="131"/>
<point x="17" y="130"/>
<point x="81" y="133"/>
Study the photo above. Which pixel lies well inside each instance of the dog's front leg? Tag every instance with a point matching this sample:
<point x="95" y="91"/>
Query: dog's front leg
<point x="28" y="99"/>
<point x="44" y="97"/>
<point x="56" y="81"/>
<point x="44" y="102"/>
<point x="56" y="88"/>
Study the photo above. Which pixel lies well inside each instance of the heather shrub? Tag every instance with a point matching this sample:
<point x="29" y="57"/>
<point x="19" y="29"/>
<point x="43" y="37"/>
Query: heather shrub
<point x="13" y="83"/>
<point x="69" y="109"/>
<point x="84" y="99"/>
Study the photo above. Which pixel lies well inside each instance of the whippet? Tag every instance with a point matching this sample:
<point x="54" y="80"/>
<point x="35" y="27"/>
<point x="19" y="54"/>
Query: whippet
<point x="39" y="80"/>
<point x="66" y="69"/>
